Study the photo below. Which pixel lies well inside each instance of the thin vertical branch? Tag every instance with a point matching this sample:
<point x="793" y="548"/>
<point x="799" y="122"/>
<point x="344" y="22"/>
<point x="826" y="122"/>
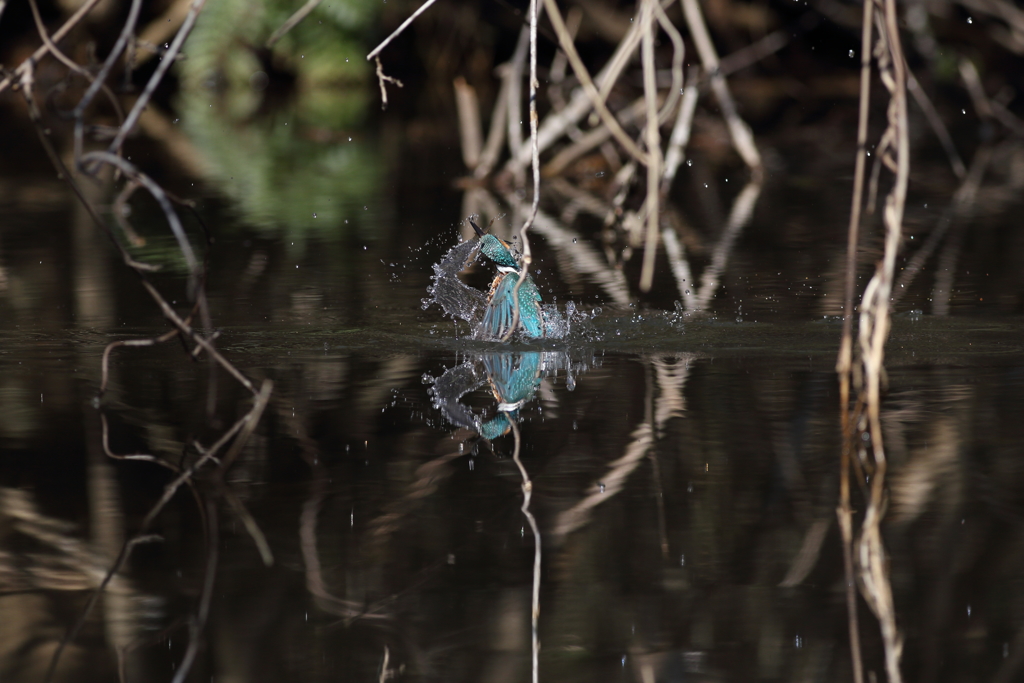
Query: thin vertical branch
<point x="527" y="252"/>
<point x="653" y="140"/>
<point x="844" y="361"/>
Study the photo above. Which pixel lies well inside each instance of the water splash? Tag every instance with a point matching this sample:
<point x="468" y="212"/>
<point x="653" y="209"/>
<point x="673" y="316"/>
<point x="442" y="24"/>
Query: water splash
<point x="462" y="302"/>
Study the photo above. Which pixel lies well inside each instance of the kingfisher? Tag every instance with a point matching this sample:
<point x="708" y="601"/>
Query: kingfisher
<point x="500" y="310"/>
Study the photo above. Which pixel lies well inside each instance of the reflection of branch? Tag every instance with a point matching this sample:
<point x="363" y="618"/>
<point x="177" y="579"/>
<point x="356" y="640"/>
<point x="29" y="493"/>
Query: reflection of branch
<point x="742" y="210"/>
<point x="610" y="484"/>
<point x="584" y="257"/>
<point x="963" y="201"/>
<point x="527" y="494"/>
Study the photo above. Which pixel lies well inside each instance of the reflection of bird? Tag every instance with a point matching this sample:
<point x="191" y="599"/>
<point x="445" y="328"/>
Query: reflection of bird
<point x="500" y="309"/>
<point x="513" y="379"/>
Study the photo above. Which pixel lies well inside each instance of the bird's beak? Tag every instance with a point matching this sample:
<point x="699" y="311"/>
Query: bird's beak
<point x="476" y="227"/>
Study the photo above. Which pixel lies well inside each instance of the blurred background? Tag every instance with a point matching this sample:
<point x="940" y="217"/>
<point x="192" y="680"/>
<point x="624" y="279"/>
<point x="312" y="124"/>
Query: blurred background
<point x="683" y="441"/>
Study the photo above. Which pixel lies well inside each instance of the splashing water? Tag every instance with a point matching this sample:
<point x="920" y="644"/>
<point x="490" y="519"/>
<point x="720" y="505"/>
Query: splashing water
<point x="462" y="302"/>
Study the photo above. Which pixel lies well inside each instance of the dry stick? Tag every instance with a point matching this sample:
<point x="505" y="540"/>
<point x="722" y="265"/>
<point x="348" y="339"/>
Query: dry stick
<point x="678" y="55"/>
<point x="101" y="77"/>
<point x="467" y="105"/>
<point x="158" y="75"/>
<point x="872" y="334"/>
<point x="527" y="494"/>
<point x="557" y="123"/>
<point x="742" y="138"/>
<point x="375" y="53"/>
<point x="394" y="34"/>
<point x="588" y="85"/>
<point x="653" y="140"/>
<point x="527" y="258"/>
<point x="938" y="127"/>
<point x="384" y="78"/>
<point x="591" y="139"/>
<point x="680" y="133"/>
<point x="844" y="365"/>
<point x="28" y="64"/>
<point x="292" y="21"/>
<point x="68" y="62"/>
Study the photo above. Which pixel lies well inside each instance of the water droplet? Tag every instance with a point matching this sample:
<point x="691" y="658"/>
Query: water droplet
<point x="970" y="20"/>
<point x="682" y="560"/>
<point x="167" y="46"/>
<point x="574" y="240"/>
<point x="963" y="111"/>
<point x="851" y="54"/>
<point x="365" y="208"/>
<point x="799" y="642"/>
<point x="689" y="162"/>
<point x="599" y="174"/>
<point x="176" y="120"/>
<point x="600" y="486"/>
<point x="314" y="215"/>
<point x="968" y="610"/>
<point x="350" y="138"/>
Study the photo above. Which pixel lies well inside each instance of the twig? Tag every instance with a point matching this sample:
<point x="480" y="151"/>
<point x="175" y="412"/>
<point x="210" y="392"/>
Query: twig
<point x="101" y="77"/>
<point x="384" y="78"/>
<point x="158" y="75"/>
<point x="527" y="257"/>
<point x="844" y="361"/>
<point x="680" y="133"/>
<point x="292" y="21"/>
<point x="405" y="24"/>
<point x="29" y="64"/>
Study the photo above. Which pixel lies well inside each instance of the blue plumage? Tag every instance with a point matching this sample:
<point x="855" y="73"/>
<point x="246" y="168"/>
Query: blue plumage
<point x="500" y="309"/>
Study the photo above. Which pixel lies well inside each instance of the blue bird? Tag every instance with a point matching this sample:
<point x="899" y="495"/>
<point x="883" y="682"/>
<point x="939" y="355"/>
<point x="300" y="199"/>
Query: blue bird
<point x="500" y="309"/>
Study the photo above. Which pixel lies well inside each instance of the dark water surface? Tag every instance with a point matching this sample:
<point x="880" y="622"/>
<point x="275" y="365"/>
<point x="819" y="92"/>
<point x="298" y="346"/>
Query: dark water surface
<point x="685" y="468"/>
